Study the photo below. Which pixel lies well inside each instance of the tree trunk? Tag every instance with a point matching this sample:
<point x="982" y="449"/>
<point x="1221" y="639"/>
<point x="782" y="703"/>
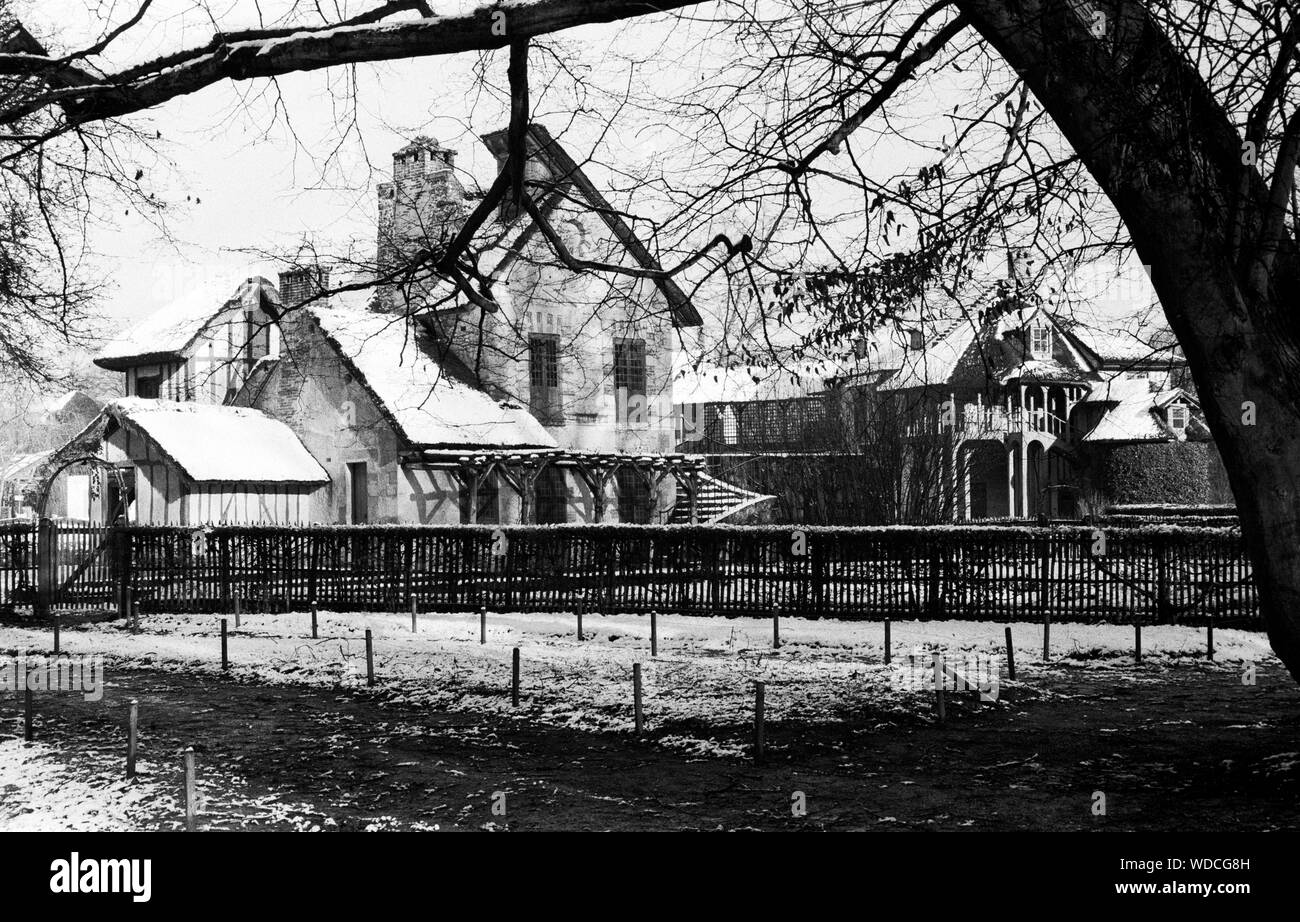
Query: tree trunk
<point x="1167" y="155"/>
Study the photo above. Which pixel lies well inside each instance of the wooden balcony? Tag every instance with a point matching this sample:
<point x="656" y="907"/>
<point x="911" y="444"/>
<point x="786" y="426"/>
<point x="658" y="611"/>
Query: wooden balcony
<point x="996" y="422"/>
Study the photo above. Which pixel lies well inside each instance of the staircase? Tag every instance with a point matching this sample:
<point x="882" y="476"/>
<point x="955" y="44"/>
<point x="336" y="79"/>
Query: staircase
<point x="716" y="501"/>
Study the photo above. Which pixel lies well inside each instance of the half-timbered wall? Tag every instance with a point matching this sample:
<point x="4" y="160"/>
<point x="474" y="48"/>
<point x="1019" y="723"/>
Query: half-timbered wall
<point x="166" y="496"/>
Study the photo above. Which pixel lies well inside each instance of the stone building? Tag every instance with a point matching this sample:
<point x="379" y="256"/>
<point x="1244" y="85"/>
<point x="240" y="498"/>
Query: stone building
<point x="537" y="392"/>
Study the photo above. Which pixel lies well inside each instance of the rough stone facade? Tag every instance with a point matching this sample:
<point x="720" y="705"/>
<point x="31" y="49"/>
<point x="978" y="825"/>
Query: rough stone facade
<point x="311" y="390"/>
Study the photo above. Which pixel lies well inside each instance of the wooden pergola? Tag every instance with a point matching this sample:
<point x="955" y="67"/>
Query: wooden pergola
<point x="521" y="469"/>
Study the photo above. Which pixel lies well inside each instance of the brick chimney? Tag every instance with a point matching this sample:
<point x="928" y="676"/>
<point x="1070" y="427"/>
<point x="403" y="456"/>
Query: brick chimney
<point x="422" y="206"/>
<point x="302" y="282"/>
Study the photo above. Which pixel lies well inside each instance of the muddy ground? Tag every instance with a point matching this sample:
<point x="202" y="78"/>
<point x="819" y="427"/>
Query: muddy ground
<point x="1185" y="747"/>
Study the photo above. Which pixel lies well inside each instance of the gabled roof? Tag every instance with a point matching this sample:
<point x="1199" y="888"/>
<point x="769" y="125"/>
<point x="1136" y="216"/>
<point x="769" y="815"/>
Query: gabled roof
<point x="565" y="171"/>
<point x="21" y="467"/>
<point x="968" y="354"/>
<point x="1134" y="413"/>
<point x="937" y="363"/>
<point x="1122" y="349"/>
<point x="217" y="444"/>
<point x="428" y="404"/>
<point x="165" y="334"/>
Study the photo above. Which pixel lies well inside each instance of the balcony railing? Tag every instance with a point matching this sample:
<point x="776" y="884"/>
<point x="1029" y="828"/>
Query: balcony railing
<point x="977" y="421"/>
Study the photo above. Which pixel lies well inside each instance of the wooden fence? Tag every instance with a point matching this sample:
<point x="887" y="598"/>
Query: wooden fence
<point x="1183" y="575"/>
<point x="17" y="562"/>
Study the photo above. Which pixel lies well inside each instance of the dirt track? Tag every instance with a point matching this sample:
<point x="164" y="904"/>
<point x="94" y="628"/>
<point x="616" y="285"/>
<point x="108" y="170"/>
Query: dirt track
<point x="1187" y="747"/>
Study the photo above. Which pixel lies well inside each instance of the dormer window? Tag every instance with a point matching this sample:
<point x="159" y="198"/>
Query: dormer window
<point x="148" y="387"/>
<point x="1178" y="416"/>
<point x="916" y="340"/>
<point x="1040" y="341"/>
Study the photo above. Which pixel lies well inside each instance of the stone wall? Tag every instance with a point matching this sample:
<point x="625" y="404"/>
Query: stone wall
<point x="312" y="391"/>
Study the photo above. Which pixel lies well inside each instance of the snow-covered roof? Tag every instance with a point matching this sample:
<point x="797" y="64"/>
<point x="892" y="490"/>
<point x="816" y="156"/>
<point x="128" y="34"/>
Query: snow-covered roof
<point x="936" y="363"/>
<point x="72" y="405"/>
<point x="21" y="465"/>
<point x="169" y="330"/>
<point x="1113" y="346"/>
<point x="741" y="383"/>
<point x="1044" y="370"/>
<point x="212" y="443"/>
<point x="430" y="406"/>
<point x="1132" y="411"/>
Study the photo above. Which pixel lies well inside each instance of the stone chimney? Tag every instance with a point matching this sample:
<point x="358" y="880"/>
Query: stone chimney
<point x="535" y="170"/>
<point x="423" y="205"/>
<point x="302" y="282"/>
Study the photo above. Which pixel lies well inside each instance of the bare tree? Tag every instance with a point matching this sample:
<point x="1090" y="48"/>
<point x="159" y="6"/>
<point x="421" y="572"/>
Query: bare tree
<point x="1182" y="113"/>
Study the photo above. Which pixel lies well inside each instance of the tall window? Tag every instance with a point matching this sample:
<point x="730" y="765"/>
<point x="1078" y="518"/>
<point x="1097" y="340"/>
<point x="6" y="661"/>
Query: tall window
<point x="630" y="379"/>
<point x="1040" y="340"/>
<point x="488" y="510"/>
<point x="544" y="377"/>
<point x="633" y="497"/>
<point x="552" y="497"/>
<point x="358" y="494"/>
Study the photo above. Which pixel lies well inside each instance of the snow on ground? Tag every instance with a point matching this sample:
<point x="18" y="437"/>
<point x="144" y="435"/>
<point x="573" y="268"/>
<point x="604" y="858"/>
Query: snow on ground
<point x="40" y="791"/>
<point x="43" y="789"/>
<point x="697" y="692"/>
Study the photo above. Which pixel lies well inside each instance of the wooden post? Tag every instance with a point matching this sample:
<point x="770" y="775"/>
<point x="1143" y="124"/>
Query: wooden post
<point x="938" y="687"/>
<point x="482" y="624"/>
<point x="1011" y="656"/>
<point x="415" y="607"/>
<point x="132" y="737"/>
<point x="888" y="653"/>
<point x="56" y="635"/>
<point x="1209" y="638"/>
<point x="122" y="561"/>
<point x="370" y="658"/>
<point x="135" y="616"/>
<point x="225" y="660"/>
<point x="28" y="710"/>
<point x="190" y="806"/>
<point x="776" y="628"/>
<point x="579" y="612"/>
<point x="758" y="720"/>
<point x="654" y="632"/>
<point x="514" y="681"/>
<point x="1047" y="636"/>
<point x="1137" y="643"/>
<point x="47" y="565"/>
<point x="313" y="620"/>
<point x="238" y="607"/>
<point x="1045" y="574"/>
<point x="636" y="697"/>
<point x="128" y="604"/>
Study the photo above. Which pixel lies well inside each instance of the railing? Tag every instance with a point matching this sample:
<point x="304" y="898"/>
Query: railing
<point x="1006" y="573"/>
<point x="979" y="420"/>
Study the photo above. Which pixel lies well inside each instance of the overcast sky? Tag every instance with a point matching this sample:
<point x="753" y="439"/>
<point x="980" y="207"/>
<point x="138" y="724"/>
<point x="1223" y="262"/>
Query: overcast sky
<point x="247" y="157"/>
